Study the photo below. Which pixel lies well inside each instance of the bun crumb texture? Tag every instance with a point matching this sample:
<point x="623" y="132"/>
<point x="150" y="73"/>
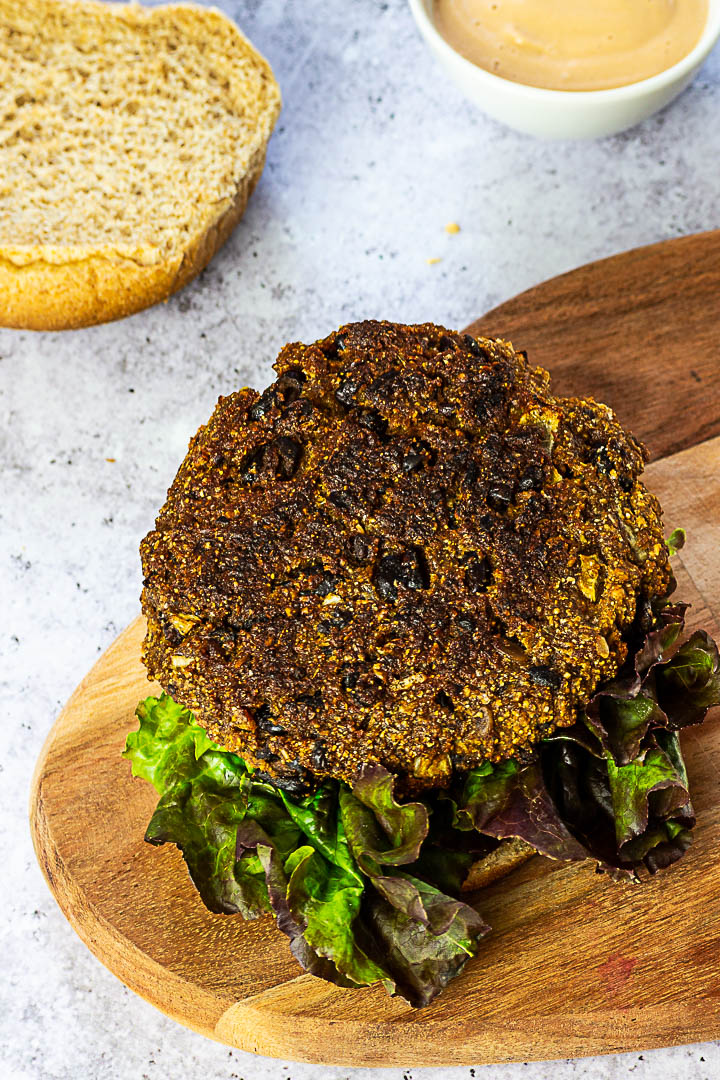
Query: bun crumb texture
<point x="131" y="139"/>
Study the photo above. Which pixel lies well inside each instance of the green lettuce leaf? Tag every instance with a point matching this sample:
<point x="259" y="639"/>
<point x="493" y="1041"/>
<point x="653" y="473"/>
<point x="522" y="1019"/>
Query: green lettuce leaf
<point x="405" y="825"/>
<point x="324" y="899"/>
<point x="689" y="684"/>
<point x="277" y="884"/>
<point x="251" y="848"/>
<point x="632" y="787"/>
<point x="617" y="777"/>
<point x="420" y="961"/>
<point x="511" y="800"/>
<point x="203" y="798"/>
<point x="623" y="711"/>
<point x="675" y="541"/>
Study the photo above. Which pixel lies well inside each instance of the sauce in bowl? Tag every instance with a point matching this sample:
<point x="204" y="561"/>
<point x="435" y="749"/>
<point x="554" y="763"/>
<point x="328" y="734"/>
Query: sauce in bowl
<point x="572" y="44"/>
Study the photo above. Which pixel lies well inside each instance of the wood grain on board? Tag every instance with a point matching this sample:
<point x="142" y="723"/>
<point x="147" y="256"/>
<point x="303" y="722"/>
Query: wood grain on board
<point x="603" y="331"/>
<point x="575" y="965"/>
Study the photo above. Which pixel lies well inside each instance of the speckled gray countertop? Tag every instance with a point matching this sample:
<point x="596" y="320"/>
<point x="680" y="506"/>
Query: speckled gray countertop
<point x="374" y="154"/>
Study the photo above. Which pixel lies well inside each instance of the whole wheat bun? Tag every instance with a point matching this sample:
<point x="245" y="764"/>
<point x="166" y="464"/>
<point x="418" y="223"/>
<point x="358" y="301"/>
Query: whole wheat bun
<point x="131" y="140"/>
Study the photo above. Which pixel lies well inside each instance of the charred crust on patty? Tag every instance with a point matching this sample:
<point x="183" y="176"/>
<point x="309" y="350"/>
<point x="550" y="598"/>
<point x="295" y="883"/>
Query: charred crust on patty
<point x="405" y="551"/>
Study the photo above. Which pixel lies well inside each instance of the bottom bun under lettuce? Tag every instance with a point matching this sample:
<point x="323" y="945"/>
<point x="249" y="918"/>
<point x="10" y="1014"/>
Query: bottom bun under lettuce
<point x="368" y="888"/>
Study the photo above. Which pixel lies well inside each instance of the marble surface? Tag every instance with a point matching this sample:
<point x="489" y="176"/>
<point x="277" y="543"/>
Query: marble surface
<point x="374" y="154"/>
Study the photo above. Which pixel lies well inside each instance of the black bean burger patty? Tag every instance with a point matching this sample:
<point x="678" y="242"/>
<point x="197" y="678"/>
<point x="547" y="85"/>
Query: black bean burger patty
<point x="405" y="551"/>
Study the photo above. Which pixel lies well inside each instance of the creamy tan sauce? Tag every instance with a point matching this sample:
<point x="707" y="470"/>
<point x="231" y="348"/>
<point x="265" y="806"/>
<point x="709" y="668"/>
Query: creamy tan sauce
<point x="572" y="44"/>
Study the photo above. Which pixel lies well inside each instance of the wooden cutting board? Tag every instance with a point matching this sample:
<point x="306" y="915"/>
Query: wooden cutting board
<point x="575" y="964"/>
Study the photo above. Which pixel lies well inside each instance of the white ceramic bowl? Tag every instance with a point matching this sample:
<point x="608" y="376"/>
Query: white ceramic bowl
<point x="566" y="114"/>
